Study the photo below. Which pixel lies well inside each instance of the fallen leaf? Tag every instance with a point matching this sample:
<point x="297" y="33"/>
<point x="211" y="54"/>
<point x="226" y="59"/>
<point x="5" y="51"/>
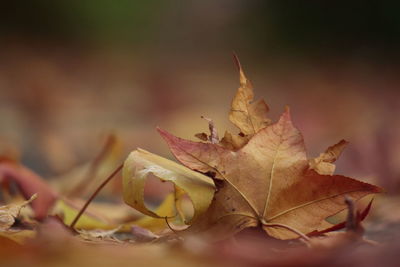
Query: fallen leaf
<point x="353" y="235"/>
<point x="267" y="181"/>
<point x="151" y="223"/>
<point x="110" y="216"/>
<point x="142" y="235"/>
<point x="10" y="212"/>
<point x="99" y="234"/>
<point x="362" y="215"/>
<point x="324" y="163"/>
<point x="140" y="164"/>
<point x="29" y="183"/>
<point x="248" y="116"/>
<point x="232" y="141"/>
<point x="18" y="236"/>
<point x="67" y="211"/>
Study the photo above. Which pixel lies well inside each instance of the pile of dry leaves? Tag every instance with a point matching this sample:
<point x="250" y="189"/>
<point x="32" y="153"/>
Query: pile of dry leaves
<point x="245" y="199"/>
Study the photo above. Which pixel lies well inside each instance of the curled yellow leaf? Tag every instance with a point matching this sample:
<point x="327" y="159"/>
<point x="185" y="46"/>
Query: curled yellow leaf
<point x="67" y="211"/>
<point x="154" y="224"/>
<point x="141" y="163"/>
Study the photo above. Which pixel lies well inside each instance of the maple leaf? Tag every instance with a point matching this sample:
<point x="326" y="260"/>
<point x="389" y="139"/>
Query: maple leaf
<point x="268" y="180"/>
<point x="248" y="115"/>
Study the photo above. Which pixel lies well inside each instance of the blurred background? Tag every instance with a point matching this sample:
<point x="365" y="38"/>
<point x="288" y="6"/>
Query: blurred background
<point x="72" y="72"/>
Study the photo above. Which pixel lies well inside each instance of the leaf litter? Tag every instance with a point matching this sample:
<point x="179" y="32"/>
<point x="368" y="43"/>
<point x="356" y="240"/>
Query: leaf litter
<point x="248" y="192"/>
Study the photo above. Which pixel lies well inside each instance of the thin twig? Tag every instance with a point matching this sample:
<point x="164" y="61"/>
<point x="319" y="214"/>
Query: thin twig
<point x="94" y="195"/>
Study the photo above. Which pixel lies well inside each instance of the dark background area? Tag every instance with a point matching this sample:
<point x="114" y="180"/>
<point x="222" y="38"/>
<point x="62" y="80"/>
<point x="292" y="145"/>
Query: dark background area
<point x="367" y="29"/>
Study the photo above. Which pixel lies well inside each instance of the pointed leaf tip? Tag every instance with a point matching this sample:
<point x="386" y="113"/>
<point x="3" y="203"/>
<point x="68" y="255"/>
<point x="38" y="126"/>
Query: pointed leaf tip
<point x="167" y="136"/>
<point x="163" y="132"/>
<point x="287" y="108"/>
<point x="286" y="117"/>
<point x="236" y="61"/>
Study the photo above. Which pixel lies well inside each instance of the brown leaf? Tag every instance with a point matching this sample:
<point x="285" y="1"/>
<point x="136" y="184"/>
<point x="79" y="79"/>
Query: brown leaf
<point x="98" y="234"/>
<point x="247" y="115"/>
<point x="267" y="182"/>
<point x="202" y="136"/>
<point x="324" y="163"/>
<point x="233" y="142"/>
<point x="10" y="212"/>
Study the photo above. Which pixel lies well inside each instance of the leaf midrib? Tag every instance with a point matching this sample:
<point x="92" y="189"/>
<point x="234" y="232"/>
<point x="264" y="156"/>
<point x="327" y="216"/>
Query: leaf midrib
<point x="247" y="112"/>
<point x="271" y="179"/>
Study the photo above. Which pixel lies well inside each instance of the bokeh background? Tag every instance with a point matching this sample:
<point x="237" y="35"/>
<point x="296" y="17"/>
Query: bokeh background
<point x="71" y="72"/>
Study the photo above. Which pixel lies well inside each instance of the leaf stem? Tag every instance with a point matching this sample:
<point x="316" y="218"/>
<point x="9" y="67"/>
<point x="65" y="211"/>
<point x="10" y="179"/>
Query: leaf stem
<point x="94" y="195"/>
<point x="287" y="227"/>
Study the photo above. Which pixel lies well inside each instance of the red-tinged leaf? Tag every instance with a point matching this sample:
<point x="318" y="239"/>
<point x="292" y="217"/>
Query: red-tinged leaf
<point x="29" y="183"/>
<point x="360" y="216"/>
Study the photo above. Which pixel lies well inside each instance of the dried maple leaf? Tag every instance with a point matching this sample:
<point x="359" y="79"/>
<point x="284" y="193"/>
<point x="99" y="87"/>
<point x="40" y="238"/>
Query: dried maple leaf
<point x="266" y="181"/>
<point x="248" y="115"/>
